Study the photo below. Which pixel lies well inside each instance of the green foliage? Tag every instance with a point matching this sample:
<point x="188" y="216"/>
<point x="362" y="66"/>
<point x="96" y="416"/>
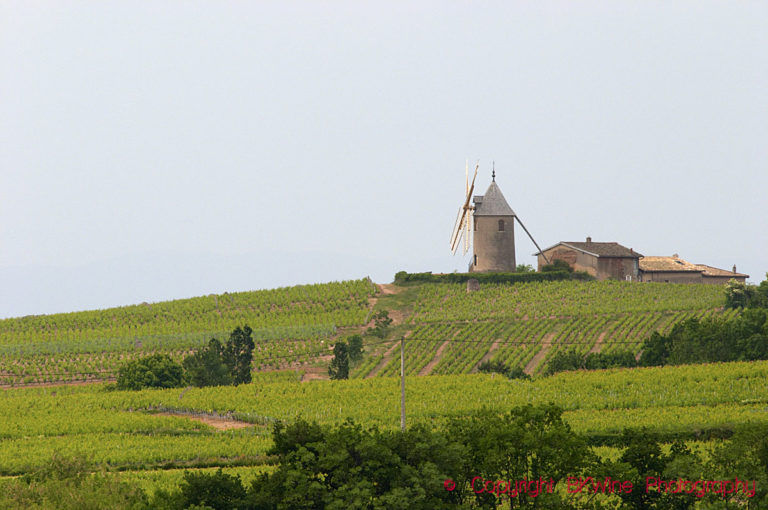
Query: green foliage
<point x="351" y="467"/>
<point x="339" y="367"/>
<point x="404" y="278"/>
<point x="381" y="324"/>
<point x="207" y="366"/>
<point x="743" y="338"/>
<point x="218" y="365"/>
<point x="156" y="371"/>
<point x="528" y="442"/>
<point x="355" y="343"/>
<point x="524" y="268"/>
<point x="500" y="368"/>
<point x="643" y="458"/>
<point x="69" y="482"/>
<point x="238" y="355"/>
<point x="742" y="295"/>
<point x="218" y="491"/>
<point x="572" y="360"/>
<point x="557" y="265"/>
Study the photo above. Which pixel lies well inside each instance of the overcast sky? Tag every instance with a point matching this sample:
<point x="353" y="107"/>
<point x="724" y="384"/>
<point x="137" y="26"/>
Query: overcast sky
<point x="160" y="150"/>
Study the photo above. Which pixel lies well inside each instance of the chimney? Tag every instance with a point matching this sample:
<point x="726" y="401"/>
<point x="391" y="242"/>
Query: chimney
<point x="589" y="239"/>
<point x="631" y="251"/>
<point x="675" y="256"/>
<point x="734" y="268"/>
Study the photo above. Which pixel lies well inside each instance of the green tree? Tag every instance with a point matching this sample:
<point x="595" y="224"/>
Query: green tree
<point x="238" y="355"/>
<point x="524" y="268"/>
<point x="355" y="343"/>
<point x="382" y="321"/>
<point x="207" y="366"/>
<point x="339" y="368"/>
<point x="528" y="442"/>
<point x="156" y="371"/>
<point x="351" y="467"/>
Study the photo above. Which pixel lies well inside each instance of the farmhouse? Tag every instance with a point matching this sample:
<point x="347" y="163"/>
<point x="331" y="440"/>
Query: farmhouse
<point x="602" y="260"/>
<point x="676" y="270"/>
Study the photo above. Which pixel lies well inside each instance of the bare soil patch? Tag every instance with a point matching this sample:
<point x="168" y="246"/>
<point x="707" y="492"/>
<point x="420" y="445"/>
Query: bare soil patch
<point x="217" y="422"/>
<point x="489" y="354"/>
<point x="546" y="343"/>
<point x="599" y="344"/>
<point x="386" y="359"/>
<point x="438" y="356"/>
<point x="389" y="288"/>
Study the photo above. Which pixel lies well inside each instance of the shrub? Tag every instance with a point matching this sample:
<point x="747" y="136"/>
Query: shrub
<point x="156" y="371"/>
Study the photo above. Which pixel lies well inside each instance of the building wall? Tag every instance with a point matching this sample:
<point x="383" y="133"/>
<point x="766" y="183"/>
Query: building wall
<point x="618" y="268"/>
<point x="578" y="260"/>
<point x="494" y="250"/>
<point x="671" y="276"/>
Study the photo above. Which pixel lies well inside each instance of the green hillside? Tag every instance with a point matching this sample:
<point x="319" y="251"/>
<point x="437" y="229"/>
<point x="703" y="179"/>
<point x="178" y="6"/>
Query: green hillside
<point x="448" y="330"/>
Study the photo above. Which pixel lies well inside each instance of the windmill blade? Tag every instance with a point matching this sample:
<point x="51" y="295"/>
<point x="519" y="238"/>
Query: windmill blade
<point x="532" y="239"/>
<point x="462" y="219"/>
<point x="468" y="232"/>
<point x="458" y="229"/>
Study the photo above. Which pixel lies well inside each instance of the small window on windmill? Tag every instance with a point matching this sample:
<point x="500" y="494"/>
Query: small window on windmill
<point x="475" y="259"/>
<point x="475" y="220"/>
<point x="501" y="225"/>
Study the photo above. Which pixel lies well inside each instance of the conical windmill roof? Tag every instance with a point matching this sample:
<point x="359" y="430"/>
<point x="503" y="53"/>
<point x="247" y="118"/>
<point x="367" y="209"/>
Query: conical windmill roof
<point x="492" y="203"/>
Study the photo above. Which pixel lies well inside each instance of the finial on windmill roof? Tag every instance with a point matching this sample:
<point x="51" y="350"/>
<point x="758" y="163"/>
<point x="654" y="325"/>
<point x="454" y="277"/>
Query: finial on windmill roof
<point x="493" y="173"/>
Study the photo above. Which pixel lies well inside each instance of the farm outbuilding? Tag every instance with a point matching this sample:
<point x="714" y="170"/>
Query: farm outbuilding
<point x="676" y="270"/>
<point x="602" y="260"/>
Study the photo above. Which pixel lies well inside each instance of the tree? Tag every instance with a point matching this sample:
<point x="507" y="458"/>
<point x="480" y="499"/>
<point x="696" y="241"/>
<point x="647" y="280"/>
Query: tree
<point x="524" y="268"/>
<point x="238" y="355"/>
<point x="339" y="368"/>
<point x="156" y="371"/>
<point x="528" y="442"/>
<point x="351" y="467"/>
<point x="355" y="343"/>
<point x="381" y="321"/>
<point x="207" y="366"/>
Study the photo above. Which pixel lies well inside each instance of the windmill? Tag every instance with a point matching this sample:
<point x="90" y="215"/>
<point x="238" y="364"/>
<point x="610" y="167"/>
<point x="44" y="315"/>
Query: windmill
<point x="488" y="226"/>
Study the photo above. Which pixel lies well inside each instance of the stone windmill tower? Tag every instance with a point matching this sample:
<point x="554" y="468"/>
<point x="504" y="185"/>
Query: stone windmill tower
<point x="488" y="226"/>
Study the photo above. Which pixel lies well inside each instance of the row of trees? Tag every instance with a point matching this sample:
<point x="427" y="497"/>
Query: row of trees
<point x="572" y="360"/>
<point x="743" y="338"/>
<point x="215" y="364"/>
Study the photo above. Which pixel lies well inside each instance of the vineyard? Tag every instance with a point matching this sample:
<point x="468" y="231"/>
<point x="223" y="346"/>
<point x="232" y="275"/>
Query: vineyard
<point x="451" y="331"/>
<point x="291" y="325"/>
<point x="119" y="429"/>
<point x="149" y="436"/>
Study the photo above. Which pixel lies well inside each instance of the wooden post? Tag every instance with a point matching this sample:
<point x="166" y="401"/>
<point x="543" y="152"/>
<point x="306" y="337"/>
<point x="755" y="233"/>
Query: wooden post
<point x="402" y="383"/>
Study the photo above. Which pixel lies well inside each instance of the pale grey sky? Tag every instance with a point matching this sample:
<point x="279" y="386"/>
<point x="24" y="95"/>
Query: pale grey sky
<point x="159" y="150"/>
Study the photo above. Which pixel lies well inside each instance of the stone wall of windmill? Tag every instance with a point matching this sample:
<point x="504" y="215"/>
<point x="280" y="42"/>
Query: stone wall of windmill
<point x="494" y="244"/>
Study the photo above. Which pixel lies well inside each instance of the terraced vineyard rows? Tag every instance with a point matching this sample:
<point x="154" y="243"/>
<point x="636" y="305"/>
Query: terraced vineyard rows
<point x="515" y="323"/>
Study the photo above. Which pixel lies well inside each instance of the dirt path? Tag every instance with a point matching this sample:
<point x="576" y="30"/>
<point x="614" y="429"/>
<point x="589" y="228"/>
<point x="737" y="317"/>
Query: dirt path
<point x="217" y="422"/>
<point x="438" y="356"/>
<point x="599" y="344"/>
<point x="546" y="343"/>
<point x="489" y="354"/>
<point x="389" y="288"/>
<point x="386" y="359"/>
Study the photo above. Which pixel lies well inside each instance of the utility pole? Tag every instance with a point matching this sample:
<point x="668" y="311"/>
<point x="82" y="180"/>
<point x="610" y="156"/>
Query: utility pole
<point x="402" y="383"/>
